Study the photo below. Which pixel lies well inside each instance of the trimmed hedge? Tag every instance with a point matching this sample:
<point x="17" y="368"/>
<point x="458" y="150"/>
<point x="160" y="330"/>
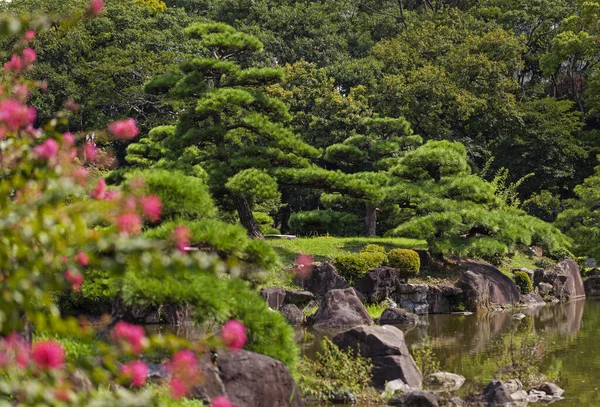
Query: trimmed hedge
<point x="373" y="248"/>
<point x="355" y="266"/>
<point x="405" y="260"/>
<point x="523" y="281"/>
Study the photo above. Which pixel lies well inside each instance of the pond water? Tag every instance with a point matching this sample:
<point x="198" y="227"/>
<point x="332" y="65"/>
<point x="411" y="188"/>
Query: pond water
<point x="563" y="338"/>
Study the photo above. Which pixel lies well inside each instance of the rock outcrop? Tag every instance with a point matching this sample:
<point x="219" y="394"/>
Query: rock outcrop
<point x="386" y="348"/>
<point x="484" y="286"/>
<point x="340" y="309"/>
<point x="322" y="279"/>
<point x="397" y="316"/>
<point x="379" y="283"/>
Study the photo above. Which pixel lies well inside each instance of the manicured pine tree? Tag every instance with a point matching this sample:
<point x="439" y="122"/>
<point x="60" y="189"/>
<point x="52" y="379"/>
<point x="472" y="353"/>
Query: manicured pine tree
<point x="229" y="128"/>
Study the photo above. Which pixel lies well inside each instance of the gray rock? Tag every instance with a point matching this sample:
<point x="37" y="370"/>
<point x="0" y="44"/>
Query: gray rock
<point x="485" y="286"/>
<point x="342" y="397"/>
<point x="537" y="395"/>
<point x="254" y="380"/>
<point x="415" y="399"/>
<point x="538" y="276"/>
<point x="551" y="389"/>
<point x="398" y="385"/>
<point x="274" y="297"/>
<point x="299" y="298"/>
<point x="532" y="300"/>
<point x="494" y="394"/>
<point x="444" y="381"/>
<point x="573" y="285"/>
<point x="456" y="402"/>
<point x="293" y="314"/>
<point x="544" y="289"/>
<point x="520" y="396"/>
<point x="386" y="348"/>
<point x="513" y="385"/>
<point x="322" y="279"/>
<point x="340" y="309"/>
<point x="592" y="286"/>
<point x="443" y="299"/>
<point x="379" y="283"/>
<point x="397" y="316"/>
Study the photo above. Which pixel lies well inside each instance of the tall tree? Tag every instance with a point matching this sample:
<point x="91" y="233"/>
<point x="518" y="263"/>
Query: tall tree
<point x="229" y="128"/>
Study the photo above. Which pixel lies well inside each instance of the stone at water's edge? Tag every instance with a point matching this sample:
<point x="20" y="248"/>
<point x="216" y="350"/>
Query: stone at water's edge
<point x="397" y="316"/>
<point x="274" y="297"/>
<point x="386" y="348"/>
<point x="484" y="285"/>
<point x="278" y="297"/>
<point x="322" y="279"/>
<point x="293" y="314"/>
<point x="254" y="380"/>
<point x="340" y="309"/>
<point x="592" y="286"/>
<point x="445" y="381"/>
<point x="443" y="299"/>
<point x="572" y="287"/>
<point x="379" y="283"/>
<point x="415" y="399"/>
<point x="495" y="394"/>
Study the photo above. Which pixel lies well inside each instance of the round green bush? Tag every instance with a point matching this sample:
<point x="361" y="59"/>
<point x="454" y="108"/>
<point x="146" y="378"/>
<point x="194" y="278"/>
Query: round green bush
<point x="355" y="266"/>
<point x="523" y="281"/>
<point x="373" y="248"/>
<point x="405" y="260"/>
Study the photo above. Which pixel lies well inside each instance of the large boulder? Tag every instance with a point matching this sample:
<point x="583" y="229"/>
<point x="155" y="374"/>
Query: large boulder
<point x="415" y="399"/>
<point x="444" y="381"/>
<point x="484" y="285"/>
<point x="293" y="314"/>
<point x="443" y="299"/>
<point x="592" y="286"/>
<point x="254" y="380"/>
<point x="379" y="283"/>
<point x="572" y="287"/>
<point x="397" y="316"/>
<point x="322" y="279"/>
<point x="386" y="348"/>
<point x="340" y="309"/>
<point x="298" y="298"/>
<point x="495" y="394"/>
<point x="413" y="297"/>
<point x="274" y="297"/>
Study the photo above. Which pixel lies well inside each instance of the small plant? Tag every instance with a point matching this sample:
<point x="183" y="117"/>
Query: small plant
<point x="523" y="281"/>
<point x="373" y="248"/>
<point x="355" y="266"/>
<point x="333" y="371"/>
<point x="405" y="260"/>
<point x="375" y="310"/>
<point x="425" y="358"/>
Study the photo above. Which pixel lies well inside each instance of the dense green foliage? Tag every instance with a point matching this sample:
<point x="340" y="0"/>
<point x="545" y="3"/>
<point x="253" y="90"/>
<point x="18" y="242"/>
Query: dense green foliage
<point x="373" y="248"/>
<point x="523" y="282"/>
<point x="355" y="266"/>
<point x="405" y="260"/>
<point x="319" y="222"/>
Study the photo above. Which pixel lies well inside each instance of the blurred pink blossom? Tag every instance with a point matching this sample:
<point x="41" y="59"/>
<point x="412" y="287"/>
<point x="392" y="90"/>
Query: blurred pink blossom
<point x="129" y="223"/>
<point x="233" y="334"/>
<point x="75" y="278"/>
<point x="48" y="354"/>
<point x="220" y="401"/>
<point x="47" y="150"/>
<point x="132" y="334"/>
<point x="124" y="129"/>
<point x="152" y="207"/>
<point x="136" y="371"/>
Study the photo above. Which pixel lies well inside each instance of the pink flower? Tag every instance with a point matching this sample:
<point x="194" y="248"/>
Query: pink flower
<point x="29" y="35"/>
<point x="75" y="278"/>
<point x="80" y="175"/>
<point x="152" y="206"/>
<point x="90" y="151"/>
<point x="48" y="354"/>
<point x="136" y="371"/>
<point x="124" y="129"/>
<point x="178" y="388"/>
<point x="29" y="56"/>
<point x="183" y="359"/>
<point x="112" y="194"/>
<point x="69" y="138"/>
<point x="82" y="259"/>
<point x="99" y="191"/>
<point x="22" y="92"/>
<point x="220" y="401"/>
<point x="47" y="150"/>
<point x="16" y="115"/>
<point x="129" y="223"/>
<point x="14" y="347"/>
<point x="181" y="236"/>
<point x="15" y="64"/>
<point x="233" y="334"/>
<point x="303" y="265"/>
<point x="96" y="6"/>
<point x="131" y="334"/>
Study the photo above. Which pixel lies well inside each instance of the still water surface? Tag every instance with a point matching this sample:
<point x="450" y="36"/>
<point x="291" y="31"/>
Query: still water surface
<point x="567" y="341"/>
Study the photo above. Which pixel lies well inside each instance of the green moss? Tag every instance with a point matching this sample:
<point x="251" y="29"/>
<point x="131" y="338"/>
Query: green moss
<point x="523" y="281"/>
<point x="405" y="260"/>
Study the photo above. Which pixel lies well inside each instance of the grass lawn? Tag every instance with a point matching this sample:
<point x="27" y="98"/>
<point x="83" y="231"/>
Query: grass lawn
<point x="326" y="248"/>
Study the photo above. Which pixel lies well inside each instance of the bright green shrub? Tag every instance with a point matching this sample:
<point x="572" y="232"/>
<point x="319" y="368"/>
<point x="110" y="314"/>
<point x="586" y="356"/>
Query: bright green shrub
<point x="355" y="266"/>
<point x="523" y="281"/>
<point x="373" y="248"/>
<point x="318" y="222"/>
<point x="405" y="260"/>
<point x="265" y="223"/>
<point x="182" y="196"/>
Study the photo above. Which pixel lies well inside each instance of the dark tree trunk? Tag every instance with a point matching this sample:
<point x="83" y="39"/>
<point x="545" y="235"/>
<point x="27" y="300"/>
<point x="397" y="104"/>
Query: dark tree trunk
<point x="247" y="218"/>
<point x="370" y="220"/>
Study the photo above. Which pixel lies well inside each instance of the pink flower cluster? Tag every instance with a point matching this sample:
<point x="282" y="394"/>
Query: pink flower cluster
<point x="21" y="62"/>
<point x="136" y="372"/>
<point x="185" y="373"/>
<point x="124" y="129"/>
<point x="221" y="401"/>
<point x="132" y="335"/>
<point x="15" y="115"/>
<point x="129" y="223"/>
<point x="181" y="236"/>
<point x="14" y="350"/>
<point x="234" y="334"/>
<point x="48" y="355"/>
<point x="75" y="278"/>
<point x="303" y="266"/>
<point x="96" y="7"/>
<point x="152" y="207"/>
<point x="47" y="150"/>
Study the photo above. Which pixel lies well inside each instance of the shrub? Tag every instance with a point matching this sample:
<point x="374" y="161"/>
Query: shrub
<point x="318" y="222"/>
<point x="333" y="371"/>
<point x="523" y="281"/>
<point x="405" y="260"/>
<point x="354" y="266"/>
<point x="373" y="248"/>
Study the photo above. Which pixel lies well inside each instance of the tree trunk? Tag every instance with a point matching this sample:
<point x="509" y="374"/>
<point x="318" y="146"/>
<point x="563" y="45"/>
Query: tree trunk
<point x="370" y="220"/>
<point x="247" y="218"/>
